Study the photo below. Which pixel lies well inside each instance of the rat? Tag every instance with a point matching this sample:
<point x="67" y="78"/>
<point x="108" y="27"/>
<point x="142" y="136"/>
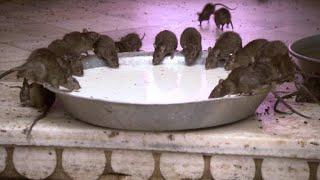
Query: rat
<point x="42" y="67"/>
<point x="208" y="10"/>
<point x="24" y="94"/>
<point x="93" y="36"/>
<point x="190" y="42"/>
<point x="81" y="42"/>
<point x="69" y="59"/>
<point x="277" y="54"/>
<point x="36" y="96"/>
<point x="228" y="43"/>
<point x="245" y="55"/>
<point x="274" y="69"/>
<point x="221" y="17"/>
<point x="165" y="44"/>
<point x="130" y="43"/>
<point x="41" y="99"/>
<point x="105" y="48"/>
<point x="243" y="80"/>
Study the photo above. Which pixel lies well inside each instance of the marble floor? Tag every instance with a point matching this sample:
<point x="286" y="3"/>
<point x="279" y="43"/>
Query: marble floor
<point x="30" y="24"/>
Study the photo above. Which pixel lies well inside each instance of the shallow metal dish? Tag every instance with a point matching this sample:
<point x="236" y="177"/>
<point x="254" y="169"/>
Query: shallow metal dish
<point x="307" y="54"/>
<point x="165" y="115"/>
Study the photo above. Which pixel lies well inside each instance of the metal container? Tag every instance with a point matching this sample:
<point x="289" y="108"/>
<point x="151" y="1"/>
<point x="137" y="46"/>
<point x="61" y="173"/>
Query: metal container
<point x="166" y="115"/>
<point x="307" y="54"/>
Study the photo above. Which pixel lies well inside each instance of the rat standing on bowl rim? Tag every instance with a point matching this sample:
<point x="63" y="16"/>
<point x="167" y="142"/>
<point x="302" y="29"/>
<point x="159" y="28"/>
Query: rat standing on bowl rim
<point x="165" y="44"/>
<point x="130" y="43"/>
<point x="228" y="43"/>
<point x="81" y="42"/>
<point x="42" y="66"/>
<point x="105" y="48"/>
<point x="246" y="55"/>
<point x="71" y="61"/>
<point x="190" y="42"/>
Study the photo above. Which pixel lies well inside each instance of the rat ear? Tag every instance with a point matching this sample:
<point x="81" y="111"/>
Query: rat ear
<point x="220" y="81"/>
<point x="85" y="30"/>
<point x="154" y="45"/>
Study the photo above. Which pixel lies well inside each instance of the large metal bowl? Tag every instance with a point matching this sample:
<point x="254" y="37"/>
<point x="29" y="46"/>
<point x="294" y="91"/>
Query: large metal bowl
<point x="124" y="113"/>
<point x="307" y="54"/>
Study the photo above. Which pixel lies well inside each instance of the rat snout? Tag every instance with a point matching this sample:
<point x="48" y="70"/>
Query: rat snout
<point x="77" y="68"/>
<point x="157" y="59"/>
<point x="114" y="62"/>
<point x="189" y="61"/>
<point x="209" y="64"/>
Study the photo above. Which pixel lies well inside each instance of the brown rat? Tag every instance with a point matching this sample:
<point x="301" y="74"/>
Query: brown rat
<point x="165" y="44"/>
<point x="130" y="43"/>
<point x="42" y="66"/>
<point x="190" y="42"/>
<point x="105" y="48"/>
<point x="93" y="36"/>
<point x="70" y="60"/>
<point x="276" y="53"/>
<point x="24" y="92"/>
<point x="41" y="99"/>
<point x="221" y="17"/>
<point x="244" y="80"/>
<point x="228" y="43"/>
<point x="80" y="42"/>
<point x="245" y="55"/>
<point x="208" y="10"/>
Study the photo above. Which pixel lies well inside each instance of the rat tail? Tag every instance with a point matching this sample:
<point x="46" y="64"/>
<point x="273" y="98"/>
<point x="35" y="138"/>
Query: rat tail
<point x="41" y="116"/>
<point x="144" y="34"/>
<point x="275" y="107"/>
<point x="224" y="6"/>
<point x="16" y="87"/>
<point x="11" y="71"/>
<point x="288" y="106"/>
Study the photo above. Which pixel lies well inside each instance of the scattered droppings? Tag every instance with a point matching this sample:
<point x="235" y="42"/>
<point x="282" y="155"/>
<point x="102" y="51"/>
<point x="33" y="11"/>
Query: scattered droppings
<point x="2" y="130"/>
<point x="305" y="122"/>
<point x="50" y="153"/>
<point x="171" y="137"/>
<point x="246" y="145"/>
<point x="113" y="134"/>
<point x="314" y="143"/>
<point x="260" y="127"/>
